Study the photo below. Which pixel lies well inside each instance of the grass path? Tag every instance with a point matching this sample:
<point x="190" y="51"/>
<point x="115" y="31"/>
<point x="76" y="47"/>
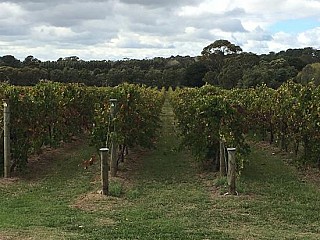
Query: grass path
<point x="165" y="197"/>
<point x="172" y="201"/>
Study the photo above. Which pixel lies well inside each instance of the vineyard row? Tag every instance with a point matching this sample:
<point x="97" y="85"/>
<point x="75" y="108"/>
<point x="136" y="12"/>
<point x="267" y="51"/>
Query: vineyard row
<point x="288" y="117"/>
<point x="49" y="113"/>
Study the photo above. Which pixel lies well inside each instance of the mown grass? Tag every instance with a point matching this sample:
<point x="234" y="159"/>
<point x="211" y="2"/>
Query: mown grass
<point x="32" y="206"/>
<point x="168" y="198"/>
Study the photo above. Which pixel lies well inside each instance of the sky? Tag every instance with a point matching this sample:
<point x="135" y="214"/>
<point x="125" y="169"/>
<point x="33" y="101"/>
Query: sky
<point x="138" y="29"/>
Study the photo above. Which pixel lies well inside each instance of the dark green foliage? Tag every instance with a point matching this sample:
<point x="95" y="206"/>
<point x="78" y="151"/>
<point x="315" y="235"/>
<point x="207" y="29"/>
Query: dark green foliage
<point x="310" y="73"/>
<point x="194" y="74"/>
<point x="25" y="76"/>
<point x="221" y="47"/>
<point x="9" y="61"/>
<point x="273" y="73"/>
<point x="226" y="65"/>
<point x="207" y="116"/>
<point x="234" y="67"/>
<point x="50" y="113"/>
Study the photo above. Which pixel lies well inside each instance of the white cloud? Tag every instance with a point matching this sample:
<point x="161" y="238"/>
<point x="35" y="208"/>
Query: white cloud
<point x="9" y="11"/>
<point x="283" y="41"/>
<point x="204" y="7"/>
<point x="12" y="20"/>
<point x="49" y="33"/>
<point x="111" y="29"/>
<point x="310" y="37"/>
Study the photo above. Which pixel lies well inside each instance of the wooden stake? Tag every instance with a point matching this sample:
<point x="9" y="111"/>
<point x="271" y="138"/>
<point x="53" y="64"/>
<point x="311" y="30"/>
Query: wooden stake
<point x="222" y="171"/>
<point x="6" y="138"/>
<point x="232" y="171"/>
<point x="114" y="157"/>
<point x="104" y="170"/>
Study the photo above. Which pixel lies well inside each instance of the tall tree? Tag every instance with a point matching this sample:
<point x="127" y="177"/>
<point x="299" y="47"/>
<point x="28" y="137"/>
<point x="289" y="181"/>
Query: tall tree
<point x="9" y="61"/>
<point x="31" y="61"/>
<point x="232" y="70"/>
<point x="214" y="56"/>
<point x="221" y="47"/>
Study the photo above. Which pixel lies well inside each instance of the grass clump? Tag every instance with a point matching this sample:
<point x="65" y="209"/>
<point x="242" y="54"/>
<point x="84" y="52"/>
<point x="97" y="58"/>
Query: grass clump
<point x="115" y="189"/>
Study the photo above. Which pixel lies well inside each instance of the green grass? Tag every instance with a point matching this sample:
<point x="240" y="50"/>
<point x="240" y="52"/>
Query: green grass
<point x="169" y="198"/>
<point x="31" y="205"/>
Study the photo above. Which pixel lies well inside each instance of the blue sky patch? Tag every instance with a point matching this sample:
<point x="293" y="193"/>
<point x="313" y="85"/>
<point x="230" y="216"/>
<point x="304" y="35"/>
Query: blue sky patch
<point x="295" y="25"/>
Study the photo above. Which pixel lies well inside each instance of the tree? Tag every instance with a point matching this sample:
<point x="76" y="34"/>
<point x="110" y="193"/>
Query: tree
<point x="70" y="75"/>
<point x="211" y="77"/>
<point x="56" y="75"/>
<point x="310" y="73"/>
<point x="272" y="73"/>
<point x="31" y="61"/>
<point x="214" y="57"/>
<point x="298" y="58"/>
<point x="6" y="74"/>
<point x="171" y="77"/>
<point x="232" y="71"/>
<point x="115" y="76"/>
<point x="194" y="75"/>
<point x="153" y="77"/>
<point x="221" y="47"/>
<point x="9" y="61"/>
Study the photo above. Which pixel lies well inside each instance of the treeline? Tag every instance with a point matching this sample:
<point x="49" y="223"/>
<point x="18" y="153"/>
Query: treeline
<point x="220" y="63"/>
<point x="157" y="72"/>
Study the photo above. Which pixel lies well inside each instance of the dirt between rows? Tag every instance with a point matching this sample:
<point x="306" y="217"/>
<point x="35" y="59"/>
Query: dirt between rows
<point x="305" y="172"/>
<point x="40" y="164"/>
<point x="126" y="177"/>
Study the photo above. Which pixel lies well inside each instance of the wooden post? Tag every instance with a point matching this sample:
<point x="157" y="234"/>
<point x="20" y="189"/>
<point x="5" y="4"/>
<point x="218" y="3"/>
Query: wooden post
<point x="232" y="171"/>
<point x="114" y="157"/>
<point x="104" y="170"/>
<point x="222" y="171"/>
<point x="6" y="138"/>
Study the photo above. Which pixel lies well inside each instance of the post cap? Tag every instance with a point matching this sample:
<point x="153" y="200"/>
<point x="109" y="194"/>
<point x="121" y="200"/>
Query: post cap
<point x="113" y="100"/>
<point x="231" y="149"/>
<point x="104" y="149"/>
<point x="5" y="102"/>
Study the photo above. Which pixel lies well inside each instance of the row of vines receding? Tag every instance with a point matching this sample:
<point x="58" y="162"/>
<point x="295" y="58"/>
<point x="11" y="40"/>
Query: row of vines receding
<point x="288" y="117"/>
<point x="207" y="116"/>
<point x="50" y="113"/>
